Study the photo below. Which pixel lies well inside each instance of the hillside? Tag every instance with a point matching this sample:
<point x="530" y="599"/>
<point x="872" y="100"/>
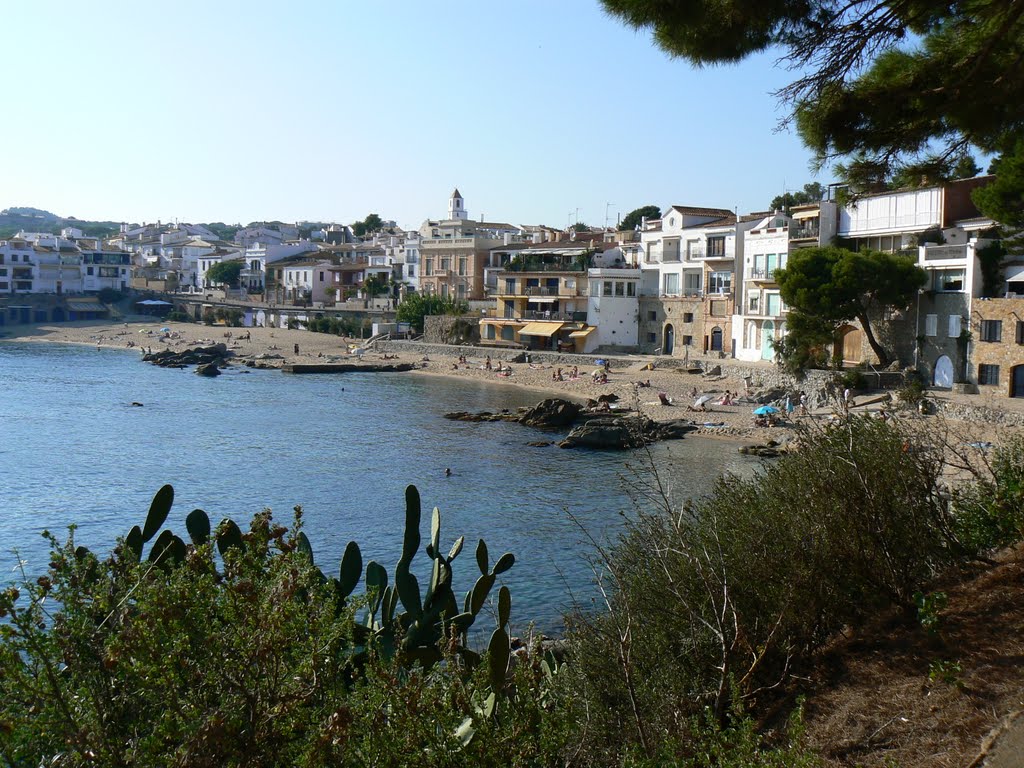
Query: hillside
<point x="15" y="219"/>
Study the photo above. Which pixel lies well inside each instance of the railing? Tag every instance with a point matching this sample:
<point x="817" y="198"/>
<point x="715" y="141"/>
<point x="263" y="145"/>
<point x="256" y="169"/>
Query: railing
<point x="804" y="233"/>
<point x="762" y="274"/>
<point x="701" y="252"/>
<point x="531" y="315"/>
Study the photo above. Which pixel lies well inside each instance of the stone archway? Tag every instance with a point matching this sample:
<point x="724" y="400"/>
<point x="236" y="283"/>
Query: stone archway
<point x="670" y="340"/>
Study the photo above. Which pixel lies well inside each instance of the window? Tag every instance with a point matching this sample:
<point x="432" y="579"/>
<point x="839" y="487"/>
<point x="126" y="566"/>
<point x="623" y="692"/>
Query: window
<point x="988" y="374"/>
<point x="463" y="265"/>
<point x="428" y="266"/>
<point x="652" y="315"/>
<point x="931" y="325"/>
<point x="620" y="288"/>
<point x="716" y="247"/>
<point x="446" y="263"/>
<point x="4" y="286"/>
<point x="991" y="330"/>
<point x="949" y="280"/>
<point x="652" y="337"/>
<point x="1020" y="332"/>
<point x="774" y="304"/>
<point x="461" y="291"/>
<point x="671" y="285"/>
<point x="720" y="282"/>
<point x="321" y="277"/>
<point x="607" y="288"/>
<point x="510" y="285"/>
<point x="954" y="326"/>
<point x="3" y="272"/>
<point x="631" y="289"/>
<point x="687" y="317"/>
<point x="89" y="270"/>
<point x="752" y="305"/>
<point x="687" y="341"/>
<point x="412" y="270"/>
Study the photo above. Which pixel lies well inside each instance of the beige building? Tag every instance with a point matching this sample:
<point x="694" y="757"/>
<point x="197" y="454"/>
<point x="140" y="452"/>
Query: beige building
<point x="997" y="338"/>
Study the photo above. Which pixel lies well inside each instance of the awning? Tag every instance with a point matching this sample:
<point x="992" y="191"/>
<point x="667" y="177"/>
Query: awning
<point x="540" y="329"/>
<point x="154" y="303"/>
<point x="807" y="214"/>
<point x="542" y="299"/>
<point x="86" y="306"/>
<point x="583" y="333"/>
<point x="1015" y="273"/>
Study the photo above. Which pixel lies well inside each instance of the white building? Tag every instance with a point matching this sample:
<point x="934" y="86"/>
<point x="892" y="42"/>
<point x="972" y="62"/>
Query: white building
<point x="613" y="307"/>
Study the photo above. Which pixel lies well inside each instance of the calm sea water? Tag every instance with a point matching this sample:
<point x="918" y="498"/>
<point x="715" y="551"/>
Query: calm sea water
<point x="74" y="450"/>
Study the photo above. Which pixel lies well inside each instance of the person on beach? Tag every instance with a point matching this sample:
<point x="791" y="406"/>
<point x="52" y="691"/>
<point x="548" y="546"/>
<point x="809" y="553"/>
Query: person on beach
<point x="296" y="349"/>
<point x="575" y="372"/>
<point x="487" y="363"/>
<point x="803" y="403"/>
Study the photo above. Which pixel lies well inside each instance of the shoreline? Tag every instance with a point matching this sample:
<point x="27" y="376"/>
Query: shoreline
<point x="732" y="422"/>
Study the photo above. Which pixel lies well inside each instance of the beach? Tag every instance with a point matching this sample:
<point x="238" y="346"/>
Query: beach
<point x="627" y="379"/>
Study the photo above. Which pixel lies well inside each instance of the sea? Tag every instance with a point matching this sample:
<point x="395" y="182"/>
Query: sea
<point x="75" y="450"/>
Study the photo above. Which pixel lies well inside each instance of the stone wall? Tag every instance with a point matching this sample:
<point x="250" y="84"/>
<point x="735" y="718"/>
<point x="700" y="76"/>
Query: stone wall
<point x="1006" y="353"/>
<point x="447" y="329"/>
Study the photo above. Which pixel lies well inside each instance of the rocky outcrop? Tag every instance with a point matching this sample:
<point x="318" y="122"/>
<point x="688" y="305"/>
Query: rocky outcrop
<point x="217" y="354"/>
<point x="553" y="413"/>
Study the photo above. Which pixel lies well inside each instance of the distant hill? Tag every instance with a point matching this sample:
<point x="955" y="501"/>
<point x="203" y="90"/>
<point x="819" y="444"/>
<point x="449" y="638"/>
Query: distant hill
<point x="15" y="219"/>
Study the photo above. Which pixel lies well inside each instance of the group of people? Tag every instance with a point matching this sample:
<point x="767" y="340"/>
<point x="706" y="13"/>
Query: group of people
<point x="559" y="376"/>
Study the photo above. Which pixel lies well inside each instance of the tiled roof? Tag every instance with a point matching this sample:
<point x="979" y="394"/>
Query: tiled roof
<point x="690" y="210"/>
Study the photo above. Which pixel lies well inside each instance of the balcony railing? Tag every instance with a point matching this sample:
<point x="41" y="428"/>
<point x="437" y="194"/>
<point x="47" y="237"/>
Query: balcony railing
<point x="804" y="233"/>
<point x="533" y="315"/>
<point x="700" y="252"/>
<point x="762" y="274"/>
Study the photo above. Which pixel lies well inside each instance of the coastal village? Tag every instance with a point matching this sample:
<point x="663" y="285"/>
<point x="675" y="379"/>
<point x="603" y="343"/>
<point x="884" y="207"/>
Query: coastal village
<point x="695" y="284"/>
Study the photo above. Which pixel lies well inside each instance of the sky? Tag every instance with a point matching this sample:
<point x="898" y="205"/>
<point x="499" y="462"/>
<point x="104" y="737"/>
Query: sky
<point x="538" y="111"/>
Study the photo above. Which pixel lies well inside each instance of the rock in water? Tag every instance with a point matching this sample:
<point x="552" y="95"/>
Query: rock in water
<point x="208" y="369"/>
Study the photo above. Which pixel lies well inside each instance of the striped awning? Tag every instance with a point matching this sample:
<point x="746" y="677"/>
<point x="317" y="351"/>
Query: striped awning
<point x="541" y="329"/>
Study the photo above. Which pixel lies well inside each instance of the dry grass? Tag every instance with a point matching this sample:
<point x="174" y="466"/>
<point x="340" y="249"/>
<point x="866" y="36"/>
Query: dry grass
<point x="870" y="701"/>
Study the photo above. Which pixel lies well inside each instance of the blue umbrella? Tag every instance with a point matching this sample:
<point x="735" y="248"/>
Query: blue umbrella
<point x="764" y="410"/>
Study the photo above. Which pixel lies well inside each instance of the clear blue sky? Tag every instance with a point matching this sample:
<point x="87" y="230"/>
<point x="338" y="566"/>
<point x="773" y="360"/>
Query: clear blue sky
<point x="321" y="110"/>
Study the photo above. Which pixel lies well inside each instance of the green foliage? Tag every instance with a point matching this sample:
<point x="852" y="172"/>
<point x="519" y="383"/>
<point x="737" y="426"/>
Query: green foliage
<point x="812" y="192"/>
<point x="234" y="649"/>
<point x="222" y="230"/>
<point x="740" y="586"/>
<point x="339" y="326"/>
<point x="225" y="272"/>
<point x="990" y="258"/>
<point x="912" y="86"/>
<point x="833" y="285"/>
<point x="416" y="306"/>
<point x="805" y="345"/>
<point x="853" y="378"/>
<point x="177" y="316"/>
<point x="633" y="218"/>
<point x="990" y="512"/>
<point x="947" y="672"/>
<point x="912" y="392"/>
<point x="929" y="609"/>
<point x="372" y="223"/>
<point x="375" y="285"/>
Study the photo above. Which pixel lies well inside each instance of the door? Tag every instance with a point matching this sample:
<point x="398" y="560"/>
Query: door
<point x="1017" y="381"/>
<point x="853" y="342"/>
<point x="716" y="339"/>
<point x="767" y="337"/>
<point x="669" y="340"/>
<point x="943" y="373"/>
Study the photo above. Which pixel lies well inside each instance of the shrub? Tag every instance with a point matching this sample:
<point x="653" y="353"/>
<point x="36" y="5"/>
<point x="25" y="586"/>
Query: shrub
<point x="109" y="295"/>
<point x="738" y="587"/>
<point x="990" y="513"/>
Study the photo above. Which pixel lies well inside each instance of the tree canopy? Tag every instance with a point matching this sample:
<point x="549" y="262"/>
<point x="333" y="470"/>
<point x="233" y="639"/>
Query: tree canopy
<point x="225" y="272"/>
<point x="416" y="306"/>
<point x="892" y="85"/>
<point x="372" y="223"/>
<point x="811" y="193"/>
<point x="633" y="218"/>
<point x="833" y="285"/>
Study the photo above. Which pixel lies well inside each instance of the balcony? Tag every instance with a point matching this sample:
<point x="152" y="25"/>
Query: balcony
<point x="534" y="315"/>
<point x="762" y="275"/>
<point x="804" y="233"/>
<point x="700" y="252"/>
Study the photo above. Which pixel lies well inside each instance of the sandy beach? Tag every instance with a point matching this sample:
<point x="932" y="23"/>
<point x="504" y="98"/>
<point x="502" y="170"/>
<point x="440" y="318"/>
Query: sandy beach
<point x="628" y="383"/>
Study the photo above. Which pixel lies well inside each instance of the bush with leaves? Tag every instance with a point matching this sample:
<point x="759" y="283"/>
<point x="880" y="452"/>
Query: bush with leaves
<point x="732" y="591"/>
<point x="990" y="512"/>
<point x="235" y="649"/>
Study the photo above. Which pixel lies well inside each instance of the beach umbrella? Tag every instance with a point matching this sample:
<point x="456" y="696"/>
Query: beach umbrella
<point x="764" y="410"/>
<point x="165" y="330"/>
<point x="701" y="400"/>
